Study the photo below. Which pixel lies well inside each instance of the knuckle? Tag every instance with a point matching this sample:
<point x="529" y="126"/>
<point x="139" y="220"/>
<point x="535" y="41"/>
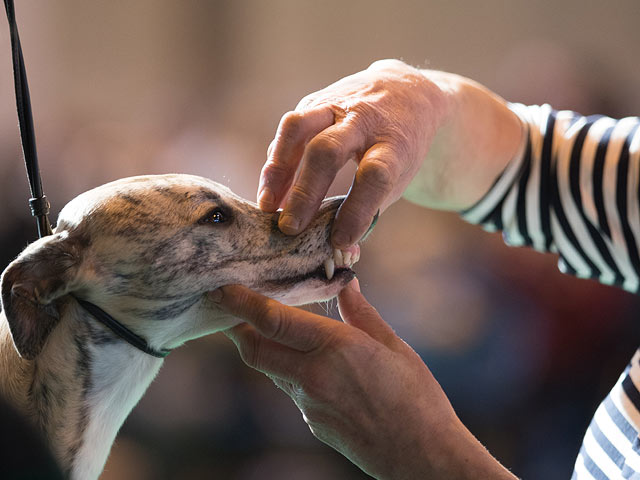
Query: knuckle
<point x="319" y="375"/>
<point x="275" y="321"/>
<point x="291" y="125"/>
<point x="387" y="63"/>
<point x="377" y="174"/>
<point x="303" y="197"/>
<point x="325" y="151"/>
<point x="307" y="102"/>
<point x="242" y="301"/>
<point x="274" y="169"/>
<point x="248" y="346"/>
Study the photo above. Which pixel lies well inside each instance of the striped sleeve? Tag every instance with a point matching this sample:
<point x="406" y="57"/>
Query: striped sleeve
<point x="611" y="447"/>
<point x="573" y="190"/>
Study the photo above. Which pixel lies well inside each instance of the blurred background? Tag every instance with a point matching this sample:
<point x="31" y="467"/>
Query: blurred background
<point x="156" y="86"/>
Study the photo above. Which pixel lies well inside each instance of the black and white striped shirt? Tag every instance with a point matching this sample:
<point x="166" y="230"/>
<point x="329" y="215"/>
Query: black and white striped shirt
<point x="573" y="189"/>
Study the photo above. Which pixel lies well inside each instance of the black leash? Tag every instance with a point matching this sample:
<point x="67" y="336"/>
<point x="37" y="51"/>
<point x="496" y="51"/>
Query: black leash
<point x="38" y="202"/>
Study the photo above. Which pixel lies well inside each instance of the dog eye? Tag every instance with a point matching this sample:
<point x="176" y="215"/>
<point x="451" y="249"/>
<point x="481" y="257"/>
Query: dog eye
<point x="215" y="216"/>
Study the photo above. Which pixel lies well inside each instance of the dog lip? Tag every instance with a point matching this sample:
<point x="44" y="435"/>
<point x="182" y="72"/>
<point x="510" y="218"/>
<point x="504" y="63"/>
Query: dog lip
<point x="320" y="274"/>
<point x="339" y="273"/>
<point x="342" y="274"/>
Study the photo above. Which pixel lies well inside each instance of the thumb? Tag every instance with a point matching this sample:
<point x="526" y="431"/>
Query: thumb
<point x="356" y="311"/>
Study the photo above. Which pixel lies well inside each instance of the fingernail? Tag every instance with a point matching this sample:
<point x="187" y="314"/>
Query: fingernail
<point x="340" y="239"/>
<point x="289" y="223"/>
<point x="216" y="295"/>
<point x="266" y="197"/>
<point x="355" y="284"/>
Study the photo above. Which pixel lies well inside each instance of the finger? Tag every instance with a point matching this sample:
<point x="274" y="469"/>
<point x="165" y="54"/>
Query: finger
<point x="290" y="326"/>
<point x="270" y="148"/>
<point x="374" y="182"/>
<point x="294" y="130"/>
<point x="267" y="356"/>
<point x="323" y="157"/>
<point x="356" y="311"/>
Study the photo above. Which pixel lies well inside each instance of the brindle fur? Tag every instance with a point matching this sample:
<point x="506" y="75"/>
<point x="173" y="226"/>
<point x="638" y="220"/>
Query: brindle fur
<point x="142" y="249"/>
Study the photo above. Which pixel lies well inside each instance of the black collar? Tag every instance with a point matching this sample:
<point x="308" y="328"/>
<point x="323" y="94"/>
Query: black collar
<point x="119" y="329"/>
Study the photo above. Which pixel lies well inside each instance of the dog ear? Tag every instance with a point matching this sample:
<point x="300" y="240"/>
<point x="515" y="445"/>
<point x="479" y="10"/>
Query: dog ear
<point x="31" y="286"/>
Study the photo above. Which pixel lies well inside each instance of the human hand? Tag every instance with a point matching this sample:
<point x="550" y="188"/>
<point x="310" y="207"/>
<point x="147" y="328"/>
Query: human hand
<point x="384" y="118"/>
<point x="360" y="388"/>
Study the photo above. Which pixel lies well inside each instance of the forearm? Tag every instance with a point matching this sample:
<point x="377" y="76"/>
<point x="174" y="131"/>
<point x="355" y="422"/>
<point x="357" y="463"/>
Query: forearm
<point x="476" y="139"/>
<point x="455" y="454"/>
<point x="469" y="460"/>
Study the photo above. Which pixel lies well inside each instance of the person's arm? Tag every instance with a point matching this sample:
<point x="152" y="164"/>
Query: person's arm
<point x="572" y="190"/>
<point x="471" y="147"/>
<point x="360" y="388"/>
<point x="395" y="121"/>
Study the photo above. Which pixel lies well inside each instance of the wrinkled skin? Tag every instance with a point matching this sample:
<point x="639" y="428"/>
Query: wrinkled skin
<point x="360" y="388"/>
<point x="383" y="122"/>
<point x="439" y="138"/>
<point x="442" y="140"/>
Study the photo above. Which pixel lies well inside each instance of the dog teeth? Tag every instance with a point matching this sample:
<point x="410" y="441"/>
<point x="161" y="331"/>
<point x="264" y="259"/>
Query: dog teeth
<point x="346" y="258"/>
<point x="338" y="257"/>
<point x="341" y="258"/>
<point x="329" y="268"/>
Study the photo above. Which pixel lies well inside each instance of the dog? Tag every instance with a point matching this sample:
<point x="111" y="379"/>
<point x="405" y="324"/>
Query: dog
<point x="146" y="250"/>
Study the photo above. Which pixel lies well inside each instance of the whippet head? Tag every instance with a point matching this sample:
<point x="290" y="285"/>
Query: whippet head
<point x="147" y="249"/>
